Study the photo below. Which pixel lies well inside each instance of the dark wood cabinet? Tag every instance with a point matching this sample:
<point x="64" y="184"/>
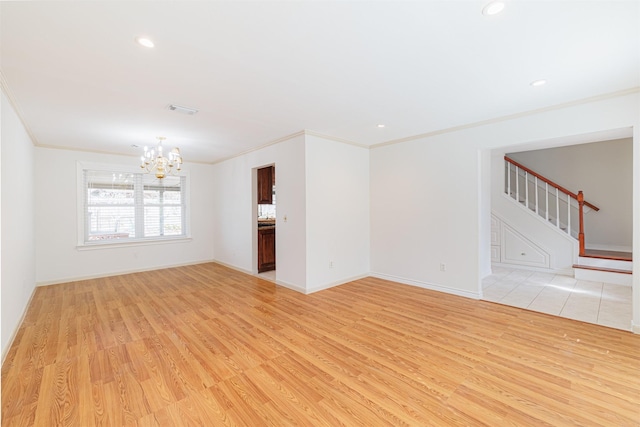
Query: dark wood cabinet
<point x="266" y="249"/>
<point x="265" y="185"/>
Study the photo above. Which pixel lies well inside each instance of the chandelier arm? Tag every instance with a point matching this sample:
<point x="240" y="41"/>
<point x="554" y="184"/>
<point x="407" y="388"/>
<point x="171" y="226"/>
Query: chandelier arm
<point x="153" y="160"/>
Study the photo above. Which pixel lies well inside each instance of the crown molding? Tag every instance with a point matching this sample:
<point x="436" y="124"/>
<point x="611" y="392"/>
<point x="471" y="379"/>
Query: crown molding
<point x="260" y="147"/>
<point x="303" y="132"/>
<point x="334" y="138"/>
<point x="108" y="153"/>
<point x="7" y="92"/>
<point x="511" y="116"/>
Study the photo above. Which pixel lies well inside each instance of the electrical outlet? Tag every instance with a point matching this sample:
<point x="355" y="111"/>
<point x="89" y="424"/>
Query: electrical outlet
<point x="443" y="267"/>
<point x="330" y="264"/>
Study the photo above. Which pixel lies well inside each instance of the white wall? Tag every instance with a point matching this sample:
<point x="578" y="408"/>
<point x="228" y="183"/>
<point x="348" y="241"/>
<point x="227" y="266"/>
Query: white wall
<point x="636" y="224"/>
<point x="322" y="189"/>
<point x="17" y="244"/>
<point x="337" y="207"/>
<point x="484" y="214"/>
<point x="424" y="212"/>
<point x="603" y="170"/>
<point x="235" y="216"/>
<point x="425" y="200"/>
<point x="57" y="257"/>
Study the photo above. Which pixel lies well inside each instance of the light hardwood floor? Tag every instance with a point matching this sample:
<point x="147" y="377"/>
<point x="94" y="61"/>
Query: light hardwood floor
<point x="206" y="345"/>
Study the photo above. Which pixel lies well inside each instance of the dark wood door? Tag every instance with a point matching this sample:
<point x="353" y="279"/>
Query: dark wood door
<point x="265" y="185"/>
<point x="266" y="250"/>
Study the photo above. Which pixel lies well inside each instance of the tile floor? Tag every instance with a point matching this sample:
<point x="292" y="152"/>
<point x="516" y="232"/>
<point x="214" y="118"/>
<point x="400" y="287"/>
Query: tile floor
<point x="268" y="275"/>
<point x="594" y="302"/>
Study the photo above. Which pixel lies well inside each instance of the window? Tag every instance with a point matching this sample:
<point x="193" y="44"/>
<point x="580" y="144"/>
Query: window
<point x="125" y="207"/>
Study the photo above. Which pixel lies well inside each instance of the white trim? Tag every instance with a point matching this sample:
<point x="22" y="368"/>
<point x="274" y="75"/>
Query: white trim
<point x="114" y="153"/>
<point x="233" y="267"/>
<point x="557" y="230"/>
<point x="256" y="274"/>
<point x="303" y="132"/>
<point x="12" y="100"/>
<point x="119" y="273"/>
<point x="635" y="328"/>
<point x="430" y="286"/>
<point x="5" y="351"/>
<point x="336" y="283"/>
<point x="139" y="242"/>
<point x="335" y="138"/>
<point x="260" y="147"/>
<point x="287" y="285"/>
<point x="560" y="271"/>
<point x="508" y="117"/>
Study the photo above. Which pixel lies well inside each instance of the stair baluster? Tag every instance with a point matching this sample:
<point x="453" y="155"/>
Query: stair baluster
<point x="531" y="178"/>
<point x="569" y="214"/>
<point x="546" y="205"/>
<point x="536" y="188"/>
<point x="557" y="208"/>
<point x="526" y="189"/>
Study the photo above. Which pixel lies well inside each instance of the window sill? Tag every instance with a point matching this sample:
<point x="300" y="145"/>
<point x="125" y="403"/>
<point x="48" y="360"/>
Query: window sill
<point x="135" y="243"/>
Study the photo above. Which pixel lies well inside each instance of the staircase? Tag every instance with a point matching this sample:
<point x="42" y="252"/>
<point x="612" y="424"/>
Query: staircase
<point x="604" y="266"/>
<point x="565" y="211"/>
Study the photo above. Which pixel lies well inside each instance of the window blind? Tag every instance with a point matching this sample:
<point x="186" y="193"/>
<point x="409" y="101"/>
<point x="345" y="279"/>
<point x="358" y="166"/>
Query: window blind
<point x="132" y="206"/>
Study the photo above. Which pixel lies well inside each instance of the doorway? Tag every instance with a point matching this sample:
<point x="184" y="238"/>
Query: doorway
<point x="266" y="221"/>
<point x="604" y="171"/>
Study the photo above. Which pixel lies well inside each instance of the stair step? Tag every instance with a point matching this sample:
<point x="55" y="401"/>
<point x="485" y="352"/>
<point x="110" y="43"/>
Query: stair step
<point x="605" y="262"/>
<point x="603" y="274"/>
<point x="596" y="268"/>
<point x="612" y="255"/>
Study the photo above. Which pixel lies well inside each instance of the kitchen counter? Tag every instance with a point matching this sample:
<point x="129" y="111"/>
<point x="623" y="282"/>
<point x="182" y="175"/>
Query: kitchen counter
<point x="266" y="223"/>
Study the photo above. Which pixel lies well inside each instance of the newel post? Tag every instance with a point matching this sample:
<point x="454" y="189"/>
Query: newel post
<point x="581" y="219"/>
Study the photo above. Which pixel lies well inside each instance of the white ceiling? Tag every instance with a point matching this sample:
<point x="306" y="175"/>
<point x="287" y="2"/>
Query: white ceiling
<point x="259" y="71"/>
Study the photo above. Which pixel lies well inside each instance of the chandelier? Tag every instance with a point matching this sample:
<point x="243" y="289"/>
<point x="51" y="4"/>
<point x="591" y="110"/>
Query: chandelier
<point x="154" y="161"/>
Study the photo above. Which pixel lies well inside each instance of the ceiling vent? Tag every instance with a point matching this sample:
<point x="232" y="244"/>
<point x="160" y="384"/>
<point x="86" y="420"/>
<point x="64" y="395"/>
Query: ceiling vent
<point x="183" y="110"/>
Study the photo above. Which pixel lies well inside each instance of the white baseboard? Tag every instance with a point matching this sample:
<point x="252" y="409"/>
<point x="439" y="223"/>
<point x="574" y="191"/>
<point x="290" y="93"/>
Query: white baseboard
<point x="293" y="286"/>
<point x="290" y="286"/>
<point x="5" y="350"/>
<point x="118" y="273"/>
<point x="635" y="328"/>
<point x="234" y="267"/>
<point x="282" y="283"/>
<point x="561" y="271"/>
<point x="430" y="286"/>
<point x="337" y="283"/>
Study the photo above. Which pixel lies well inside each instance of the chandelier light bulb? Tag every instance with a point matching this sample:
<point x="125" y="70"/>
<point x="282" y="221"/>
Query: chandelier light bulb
<point x="158" y="164"/>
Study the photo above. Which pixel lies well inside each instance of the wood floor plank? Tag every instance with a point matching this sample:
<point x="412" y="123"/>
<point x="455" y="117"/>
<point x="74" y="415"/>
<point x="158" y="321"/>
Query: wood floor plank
<point x="207" y="345"/>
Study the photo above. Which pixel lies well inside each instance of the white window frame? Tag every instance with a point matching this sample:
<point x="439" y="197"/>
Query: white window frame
<point x="83" y="244"/>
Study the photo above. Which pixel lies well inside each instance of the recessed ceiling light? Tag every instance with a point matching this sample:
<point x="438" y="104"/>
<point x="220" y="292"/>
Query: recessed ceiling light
<point x="493" y="8"/>
<point x="380" y="126"/>
<point x="538" y="82"/>
<point x="144" y="41"/>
